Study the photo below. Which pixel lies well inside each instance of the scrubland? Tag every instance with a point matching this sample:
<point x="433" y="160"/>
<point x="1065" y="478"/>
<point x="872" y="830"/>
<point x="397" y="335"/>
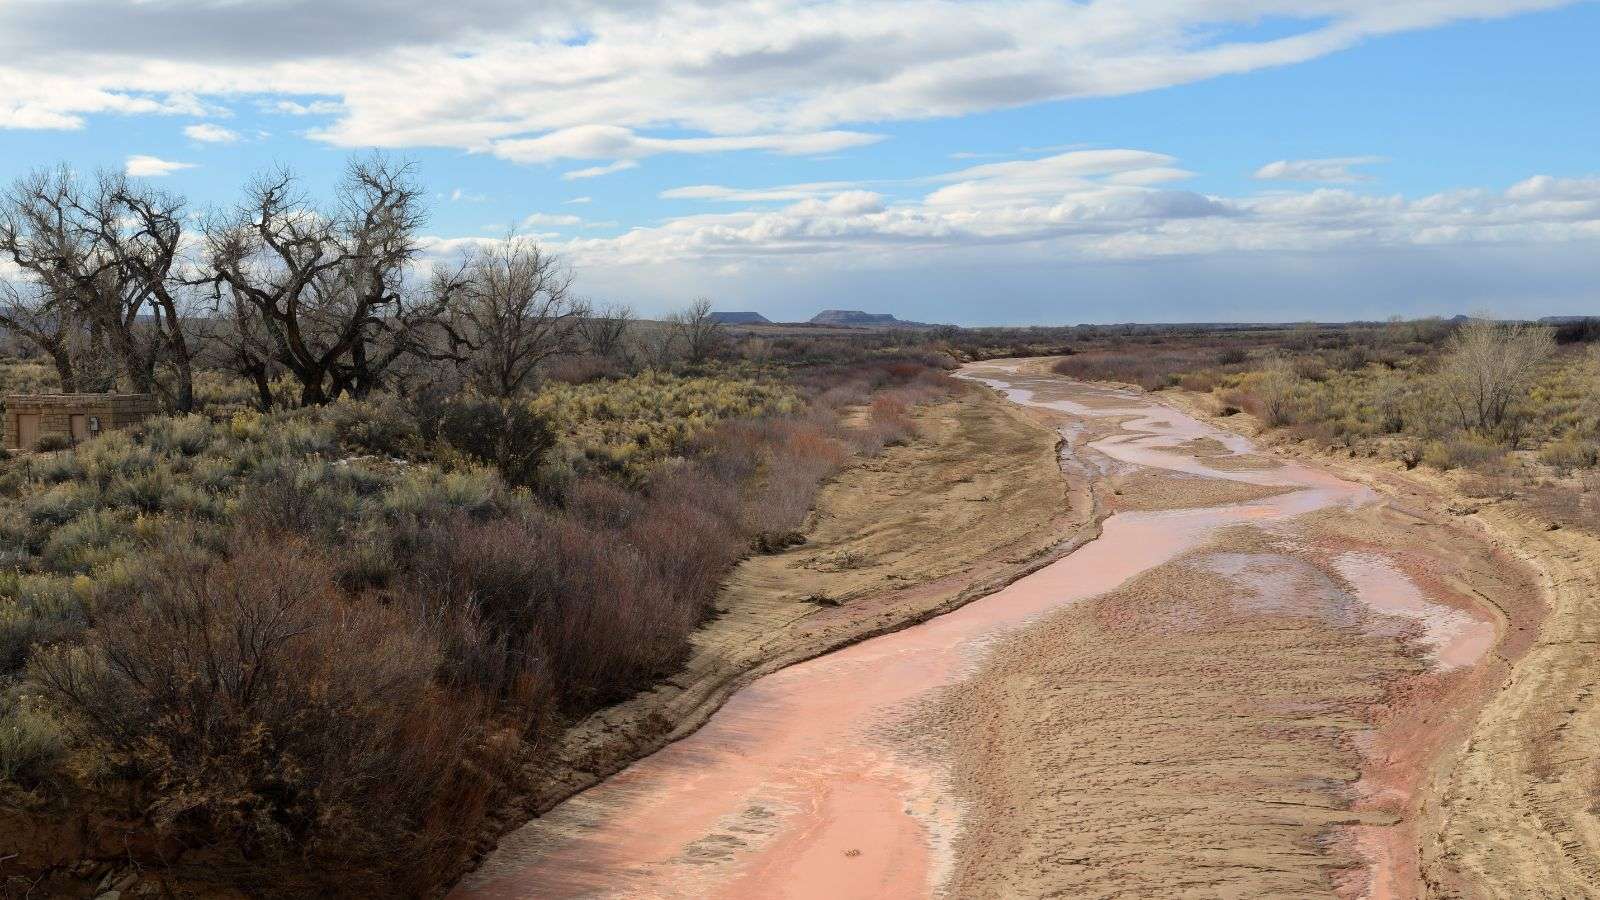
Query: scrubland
<point x="307" y="646"/>
<point x="308" y="631"/>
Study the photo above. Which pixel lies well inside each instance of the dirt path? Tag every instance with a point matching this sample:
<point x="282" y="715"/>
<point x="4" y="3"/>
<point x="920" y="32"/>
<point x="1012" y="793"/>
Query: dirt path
<point x="1238" y="689"/>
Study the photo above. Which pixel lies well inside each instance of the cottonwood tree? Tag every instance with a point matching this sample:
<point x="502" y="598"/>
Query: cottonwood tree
<point x="513" y="309"/>
<point x="605" y="331"/>
<point x="323" y="293"/>
<point x="698" y="331"/>
<point x="1487" y="366"/>
<point x="100" y="267"/>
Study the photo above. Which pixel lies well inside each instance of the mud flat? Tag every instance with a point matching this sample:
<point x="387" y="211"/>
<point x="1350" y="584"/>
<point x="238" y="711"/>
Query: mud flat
<point x="1237" y="689"/>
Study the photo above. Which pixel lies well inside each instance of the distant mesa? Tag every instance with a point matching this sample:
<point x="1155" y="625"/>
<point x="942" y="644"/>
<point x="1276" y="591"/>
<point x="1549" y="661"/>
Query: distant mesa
<point x="740" y="318"/>
<point x="858" y="319"/>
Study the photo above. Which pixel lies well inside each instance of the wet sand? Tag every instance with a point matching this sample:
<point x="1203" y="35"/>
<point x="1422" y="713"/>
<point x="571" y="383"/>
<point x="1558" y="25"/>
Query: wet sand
<point x="1198" y="700"/>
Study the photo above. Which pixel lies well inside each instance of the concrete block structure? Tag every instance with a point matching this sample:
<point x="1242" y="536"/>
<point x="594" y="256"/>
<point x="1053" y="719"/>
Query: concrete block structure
<point x="75" y="417"/>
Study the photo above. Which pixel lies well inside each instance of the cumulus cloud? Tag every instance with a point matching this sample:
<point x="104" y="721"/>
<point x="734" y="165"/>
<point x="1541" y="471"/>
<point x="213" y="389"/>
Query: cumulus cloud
<point x="209" y="133"/>
<point x="603" y="80"/>
<point x="1086" y="205"/>
<point x="1333" y="170"/>
<point x="141" y="166"/>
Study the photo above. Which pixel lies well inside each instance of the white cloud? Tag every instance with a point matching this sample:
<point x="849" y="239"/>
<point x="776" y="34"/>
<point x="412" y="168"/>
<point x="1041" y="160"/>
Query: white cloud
<point x="574" y="78"/>
<point x="141" y="166"/>
<point x="620" y="165"/>
<point x="576" y="200"/>
<point x="208" y="133"/>
<point x="460" y="195"/>
<point x="1334" y="170"/>
<point x="1086" y="206"/>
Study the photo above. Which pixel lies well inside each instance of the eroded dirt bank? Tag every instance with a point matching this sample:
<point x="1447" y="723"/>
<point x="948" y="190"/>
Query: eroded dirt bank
<point x="1236" y="690"/>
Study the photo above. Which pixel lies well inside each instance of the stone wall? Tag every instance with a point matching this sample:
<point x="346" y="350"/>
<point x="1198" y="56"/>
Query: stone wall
<point x="55" y="412"/>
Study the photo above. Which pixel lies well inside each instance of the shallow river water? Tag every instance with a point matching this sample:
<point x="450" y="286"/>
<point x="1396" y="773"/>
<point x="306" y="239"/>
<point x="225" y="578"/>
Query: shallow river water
<point x="794" y="790"/>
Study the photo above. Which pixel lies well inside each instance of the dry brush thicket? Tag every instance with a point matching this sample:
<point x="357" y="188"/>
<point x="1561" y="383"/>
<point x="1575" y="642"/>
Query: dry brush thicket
<point x="306" y="633"/>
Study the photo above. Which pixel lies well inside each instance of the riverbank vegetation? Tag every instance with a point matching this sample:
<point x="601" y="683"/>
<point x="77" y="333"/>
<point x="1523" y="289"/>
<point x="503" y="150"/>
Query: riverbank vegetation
<point x="406" y="519"/>
<point x="1509" y="407"/>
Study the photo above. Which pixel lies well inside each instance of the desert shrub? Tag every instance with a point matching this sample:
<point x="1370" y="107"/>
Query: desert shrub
<point x="98" y="536"/>
<point x="1232" y="356"/>
<point x="1271" y="394"/>
<point x="381" y="426"/>
<point x="427" y="493"/>
<point x="799" y="457"/>
<point x="30" y="739"/>
<point x="48" y="443"/>
<point x="1463" y="452"/>
<point x="269" y="715"/>
<point x="183" y="435"/>
<point x="59" y="504"/>
<point x="509" y="436"/>
<point x="1570" y="452"/>
<point x="35" y="609"/>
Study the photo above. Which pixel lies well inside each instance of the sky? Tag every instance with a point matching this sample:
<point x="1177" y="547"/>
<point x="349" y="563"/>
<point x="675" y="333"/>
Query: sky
<point x="982" y="162"/>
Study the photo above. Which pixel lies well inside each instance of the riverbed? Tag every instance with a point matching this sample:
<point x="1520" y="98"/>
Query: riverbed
<point x="869" y="772"/>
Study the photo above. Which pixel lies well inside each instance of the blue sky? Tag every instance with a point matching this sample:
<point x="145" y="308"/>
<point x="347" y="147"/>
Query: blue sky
<point x="991" y="162"/>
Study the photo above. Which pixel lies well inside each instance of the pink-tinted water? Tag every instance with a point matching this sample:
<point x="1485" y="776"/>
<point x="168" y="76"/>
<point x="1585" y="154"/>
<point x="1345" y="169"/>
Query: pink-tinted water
<point x="792" y="789"/>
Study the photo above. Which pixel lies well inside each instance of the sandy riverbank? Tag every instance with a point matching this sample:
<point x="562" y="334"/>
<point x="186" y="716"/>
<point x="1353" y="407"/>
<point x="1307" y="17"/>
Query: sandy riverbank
<point x="1511" y="808"/>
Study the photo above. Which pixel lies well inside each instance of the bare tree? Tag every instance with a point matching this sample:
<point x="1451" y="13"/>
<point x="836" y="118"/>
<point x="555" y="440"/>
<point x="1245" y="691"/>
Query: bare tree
<point x="1488" y="365"/>
<point x="698" y="330"/>
<point x="99" y="263"/>
<point x="32" y="312"/>
<point x="605" y="331"/>
<point x="325" y="291"/>
<point x="514" y="311"/>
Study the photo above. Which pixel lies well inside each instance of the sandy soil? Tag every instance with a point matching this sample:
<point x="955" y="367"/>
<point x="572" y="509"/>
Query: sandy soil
<point x="979" y="499"/>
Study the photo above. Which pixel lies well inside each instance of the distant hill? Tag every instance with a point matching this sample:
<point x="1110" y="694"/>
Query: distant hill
<point x="740" y="318"/>
<point x="858" y="319"/>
